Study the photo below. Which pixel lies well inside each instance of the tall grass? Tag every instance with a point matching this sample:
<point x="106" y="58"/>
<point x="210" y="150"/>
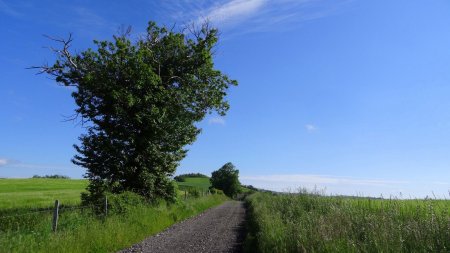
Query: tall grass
<point x="80" y="230"/>
<point x="307" y="222"/>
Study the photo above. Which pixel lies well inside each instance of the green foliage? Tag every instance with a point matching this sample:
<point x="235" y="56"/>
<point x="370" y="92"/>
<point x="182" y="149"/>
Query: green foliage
<point x="226" y="179"/>
<point x="182" y="177"/>
<point x="213" y="190"/>
<point x="194" y="192"/>
<point x="52" y="176"/>
<point x="123" y="202"/>
<point x="80" y="230"/>
<point x="307" y="222"/>
<point x="250" y="188"/>
<point x="141" y="101"/>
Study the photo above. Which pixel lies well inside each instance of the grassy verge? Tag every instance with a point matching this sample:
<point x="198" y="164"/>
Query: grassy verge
<point x="82" y="231"/>
<point x="312" y="223"/>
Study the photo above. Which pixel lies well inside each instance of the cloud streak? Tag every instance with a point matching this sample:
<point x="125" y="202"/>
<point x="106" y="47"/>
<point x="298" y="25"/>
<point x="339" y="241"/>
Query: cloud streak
<point x="320" y="180"/>
<point x="17" y="169"/>
<point x="38" y="166"/>
<point x="6" y="9"/>
<point x="246" y="16"/>
<point x="216" y="121"/>
<point x="310" y="128"/>
<point x="8" y="163"/>
<point x="3" y="162"/>
<point x="232" y="11"/>
<point x="330" y="184"/>
<point x="88" y="23"/>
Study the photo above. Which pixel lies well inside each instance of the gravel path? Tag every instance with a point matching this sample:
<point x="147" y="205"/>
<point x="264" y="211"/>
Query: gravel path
<point x="220" y="229"/>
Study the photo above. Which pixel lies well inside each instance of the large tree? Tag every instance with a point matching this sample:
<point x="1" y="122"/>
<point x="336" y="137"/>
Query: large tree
<point x="140" y="102"/>
<point x="226" y="179"/>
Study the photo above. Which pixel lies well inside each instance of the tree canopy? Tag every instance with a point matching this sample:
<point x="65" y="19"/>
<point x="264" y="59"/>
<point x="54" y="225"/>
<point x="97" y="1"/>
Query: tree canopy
<point x="226" y="179"/>
<point x="139" y="102"/>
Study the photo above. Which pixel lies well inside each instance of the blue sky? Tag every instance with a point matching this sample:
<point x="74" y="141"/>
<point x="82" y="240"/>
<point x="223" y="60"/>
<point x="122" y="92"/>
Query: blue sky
<point x="347" y="96"/>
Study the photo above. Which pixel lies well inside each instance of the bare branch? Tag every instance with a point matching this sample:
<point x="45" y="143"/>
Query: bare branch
<point x="64" y="52"/>
<point x="124" y="31"/>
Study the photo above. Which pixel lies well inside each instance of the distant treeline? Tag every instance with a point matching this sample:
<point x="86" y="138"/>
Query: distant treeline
<point x="181" y="178"/>
<point x="52" y="176"/>
<point x="250" y="187"/>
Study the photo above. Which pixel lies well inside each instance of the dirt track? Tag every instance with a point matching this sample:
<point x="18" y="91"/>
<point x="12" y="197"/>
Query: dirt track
<point x="220" y="229"/>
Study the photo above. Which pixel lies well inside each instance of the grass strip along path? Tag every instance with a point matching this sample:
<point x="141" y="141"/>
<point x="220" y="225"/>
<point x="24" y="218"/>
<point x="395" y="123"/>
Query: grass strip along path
<point x="80" y="230"/>
<point x="26" y="215"/>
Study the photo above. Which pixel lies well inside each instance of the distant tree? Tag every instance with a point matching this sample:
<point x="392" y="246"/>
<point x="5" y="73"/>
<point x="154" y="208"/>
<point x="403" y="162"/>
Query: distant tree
<point x="139" y="102"/>
<point x="182" y="177"/>
<point x="226" y="179"/>
<point x="250" y="187"/>
<point x="52" y="176"/>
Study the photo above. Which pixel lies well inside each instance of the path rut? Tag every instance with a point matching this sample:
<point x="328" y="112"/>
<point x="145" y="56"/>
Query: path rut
<point x="220" y="229"/>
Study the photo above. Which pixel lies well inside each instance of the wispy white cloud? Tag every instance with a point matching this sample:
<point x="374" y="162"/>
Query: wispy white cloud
<point x="80" y="20"/>
<point x="89" y="23"/>
<point x="244" y="16"/>
<point x="441" y="183"/>
<point x="310" y="128"/>
<point x="3" y="161"/>
<point x="217" y="120"/>
<point x="232" y="11"/>
<point x="9" y="163"/>
<point x="8" y="10"/>
<point x="330" y="184"/>
<point x="320" y="180"/>
<point x="37" y="166"/>
<point x="87" y="17"/>
<point x="17" y="169"/>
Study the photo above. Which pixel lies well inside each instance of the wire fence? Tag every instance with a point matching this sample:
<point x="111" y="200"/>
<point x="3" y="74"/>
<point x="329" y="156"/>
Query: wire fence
<point x="187" y="192"/>
<point x="27" y="213"/>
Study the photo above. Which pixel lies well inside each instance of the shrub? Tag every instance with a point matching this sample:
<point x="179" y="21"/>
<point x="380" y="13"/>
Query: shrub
<point x="194" y="192"/>
<point x="213" y="190"/>
<point x="125" y="201"/>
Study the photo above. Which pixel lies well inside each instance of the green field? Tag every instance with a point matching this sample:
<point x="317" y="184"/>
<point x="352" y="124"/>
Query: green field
<point x="312" y="223"/>
<point x="198" y="182"/>
<point x="39" y="192"/>
<point x="35" y="193"/>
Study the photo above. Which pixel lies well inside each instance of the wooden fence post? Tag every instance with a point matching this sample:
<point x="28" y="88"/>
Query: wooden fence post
<point x="106" y="206"/>
<point x="185" y="194"/>
<point x="55" y="216"/>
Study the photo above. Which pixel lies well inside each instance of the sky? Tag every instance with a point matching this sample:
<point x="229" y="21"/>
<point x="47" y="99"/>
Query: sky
<point x="345" y="96"/>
